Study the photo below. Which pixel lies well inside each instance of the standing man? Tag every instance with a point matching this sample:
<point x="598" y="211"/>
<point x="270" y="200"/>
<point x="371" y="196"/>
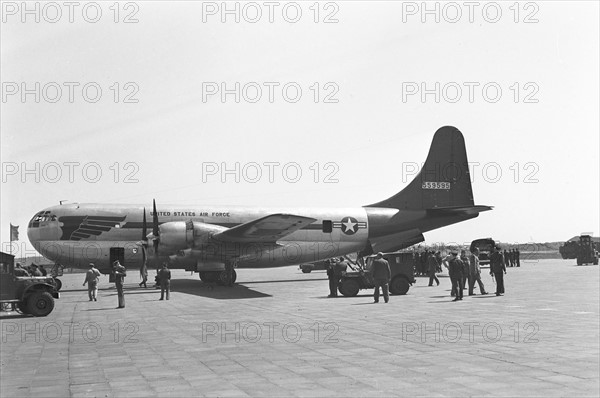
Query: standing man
<point x="465" y="263"/>
<point x="120" y="273"/>
<point x="518" y="257"/>
<point x="144" y="275"/>
<point x="164" y="278"/>
<point x="498" y="269"/>
<point x="455" y="268"/>
<point x="92" y="277"/>
<point x="43" y="270"/>
<point x="475" y="273"/>
<point x="333" y="282"/>
<point x="381" y="276"/>
<point x="432" y="264"/>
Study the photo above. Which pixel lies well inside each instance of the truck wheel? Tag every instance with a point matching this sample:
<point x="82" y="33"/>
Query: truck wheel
<point x="40" y="303"/>
<point x="399" y="285"/>
<point x="349" y="287"/>
<point x="57" y="284"/>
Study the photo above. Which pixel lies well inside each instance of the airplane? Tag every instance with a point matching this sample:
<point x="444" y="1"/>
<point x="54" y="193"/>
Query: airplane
<point x="214" y="240"/>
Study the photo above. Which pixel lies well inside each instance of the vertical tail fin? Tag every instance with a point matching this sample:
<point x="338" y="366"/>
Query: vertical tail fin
<point x="444" y="180"/>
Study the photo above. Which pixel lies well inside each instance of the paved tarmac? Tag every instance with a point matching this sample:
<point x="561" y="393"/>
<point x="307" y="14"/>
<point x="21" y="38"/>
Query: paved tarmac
<point x="277" y="334"/>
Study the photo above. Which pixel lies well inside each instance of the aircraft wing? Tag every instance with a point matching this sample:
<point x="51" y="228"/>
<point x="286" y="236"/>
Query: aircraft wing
<point x="266" y="229"/>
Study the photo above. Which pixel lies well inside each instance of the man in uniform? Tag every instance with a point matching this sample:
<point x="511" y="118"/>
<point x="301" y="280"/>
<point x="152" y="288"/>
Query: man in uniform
<point x="475" y="273"/>
<point x="381" y="276"/>
<point x="518" y="257"/>
<point x="333" y="281"/>
<point x="91" y="278"/>
<point x="432" y="264"/>
<point x="455" y="269"/>
<point x="120" y="273"/>
<point x="498" y="269"/>
<point x="164" y="278"/>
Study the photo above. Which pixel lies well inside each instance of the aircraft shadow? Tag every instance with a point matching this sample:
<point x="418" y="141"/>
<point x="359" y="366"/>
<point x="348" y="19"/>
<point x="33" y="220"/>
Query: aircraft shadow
<point x="209" y="290"/>
<point x="285" y="281"/>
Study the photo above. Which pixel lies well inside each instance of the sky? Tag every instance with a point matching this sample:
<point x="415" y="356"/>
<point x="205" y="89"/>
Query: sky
<point x="330" y="104"/>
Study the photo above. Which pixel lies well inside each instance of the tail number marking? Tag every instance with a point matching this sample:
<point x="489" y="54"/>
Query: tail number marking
<point x="435" y="185"/>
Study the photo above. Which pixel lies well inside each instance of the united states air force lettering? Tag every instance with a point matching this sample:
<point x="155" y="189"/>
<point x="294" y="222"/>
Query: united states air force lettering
<point x="191" y="213"/>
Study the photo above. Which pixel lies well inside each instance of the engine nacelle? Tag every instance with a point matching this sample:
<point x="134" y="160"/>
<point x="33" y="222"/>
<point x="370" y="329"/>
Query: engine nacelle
<point x="181" y="235"/>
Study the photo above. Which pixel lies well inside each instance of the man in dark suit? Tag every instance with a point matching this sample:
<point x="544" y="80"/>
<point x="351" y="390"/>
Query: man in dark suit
<point x="456" y="269"/>
<point x="164" y="278"/>
<point x="498" y="269"/>
<point x="120" y="273"/>
<point x="381" y="276"/>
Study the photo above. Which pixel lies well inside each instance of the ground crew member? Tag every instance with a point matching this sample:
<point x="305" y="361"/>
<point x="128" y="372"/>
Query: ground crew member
<point x="144" y="275"/>
<point x="498" y="269"/>
<point x="455" y="268"/>
<point x="20" y="271"/>
<point x="381" y="276"/>
<point x="43" y="270"/>
<point x="475" y="273"/>
<point x="120" y="273"/>
<point x="164" y="278"/>
<point x="432" y="265"/>
<point x="35" y="271"/>
<point x="465" y="263"/>
<point x="518" y="257"/>
<point x="506" y="263"/>
<point x="333" y="281"/>
<point x="92" y="277"/>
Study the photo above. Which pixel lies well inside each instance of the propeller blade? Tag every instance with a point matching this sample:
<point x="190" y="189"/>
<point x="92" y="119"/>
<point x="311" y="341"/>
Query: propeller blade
<point x="144" y="228"/>
<point x="155" y="230"/>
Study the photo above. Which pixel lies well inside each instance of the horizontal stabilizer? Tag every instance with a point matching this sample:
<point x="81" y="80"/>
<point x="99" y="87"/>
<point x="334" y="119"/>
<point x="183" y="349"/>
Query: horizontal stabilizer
<point x="267" y="229"/>
<point x="456" y="210"/>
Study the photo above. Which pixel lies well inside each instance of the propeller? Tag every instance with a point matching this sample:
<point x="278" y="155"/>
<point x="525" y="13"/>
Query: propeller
<point x="155" y="230"/>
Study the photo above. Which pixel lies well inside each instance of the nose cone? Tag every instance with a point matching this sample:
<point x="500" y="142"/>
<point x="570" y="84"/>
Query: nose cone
<point x="44" y="226"/>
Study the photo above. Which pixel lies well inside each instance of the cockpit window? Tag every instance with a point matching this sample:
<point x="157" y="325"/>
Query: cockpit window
<point x="41" y="217"/>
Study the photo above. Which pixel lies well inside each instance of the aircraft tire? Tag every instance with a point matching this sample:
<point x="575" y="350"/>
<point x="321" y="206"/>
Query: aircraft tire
<point x="399" y="285"/>
<point x="40" y="303"/>
<point x="349" y="287"/>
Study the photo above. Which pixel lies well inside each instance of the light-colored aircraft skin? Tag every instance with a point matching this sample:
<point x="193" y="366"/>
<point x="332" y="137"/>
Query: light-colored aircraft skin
<point x="207" y="238"/>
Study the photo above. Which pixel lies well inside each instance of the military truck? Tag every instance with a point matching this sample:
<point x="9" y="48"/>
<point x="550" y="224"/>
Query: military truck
<point x="30" y="294"/>
<point x="485" y="247"/>
<point x="402" y="268"/>
<point x="587" y="253"/>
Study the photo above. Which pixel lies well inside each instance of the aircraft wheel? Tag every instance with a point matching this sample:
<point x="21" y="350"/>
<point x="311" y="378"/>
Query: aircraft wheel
<point x="223" y="278"/>
<point x="40" y="303"/>
<point x="349" y="287"/>
<point x="57" y="284"/>
<point x="399" y="285"/>
<point x="306" y="270"/>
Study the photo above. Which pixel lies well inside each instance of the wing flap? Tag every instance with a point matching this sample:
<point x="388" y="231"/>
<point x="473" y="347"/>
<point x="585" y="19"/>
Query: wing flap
<point x="266" y="229"/>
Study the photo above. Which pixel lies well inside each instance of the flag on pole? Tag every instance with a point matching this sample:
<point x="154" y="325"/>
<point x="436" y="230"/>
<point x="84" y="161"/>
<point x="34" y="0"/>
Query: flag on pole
<point x="14" y="232"/>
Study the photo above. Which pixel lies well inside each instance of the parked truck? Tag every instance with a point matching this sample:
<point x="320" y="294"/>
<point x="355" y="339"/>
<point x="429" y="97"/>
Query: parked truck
<point x="32" y="295"/>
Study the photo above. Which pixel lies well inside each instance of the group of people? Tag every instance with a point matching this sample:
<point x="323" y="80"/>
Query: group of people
<point x="30" y="270"/>
<point x="512" y="258"/>
<point x="92" y="279"/>
<point x="422" y="264"/>
<point x="463" y="269"/>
